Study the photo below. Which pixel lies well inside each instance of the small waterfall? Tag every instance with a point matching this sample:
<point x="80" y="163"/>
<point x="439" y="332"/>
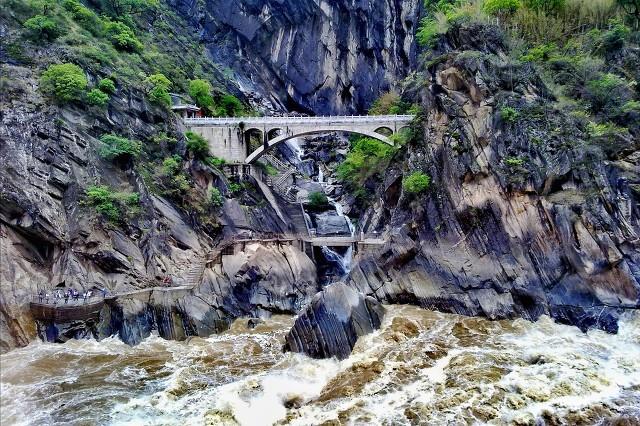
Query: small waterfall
<point x="342" y="261"/>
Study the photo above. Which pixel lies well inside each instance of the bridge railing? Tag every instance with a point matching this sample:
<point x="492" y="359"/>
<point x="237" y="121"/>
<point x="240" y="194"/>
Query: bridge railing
<point x="324" y="119"/>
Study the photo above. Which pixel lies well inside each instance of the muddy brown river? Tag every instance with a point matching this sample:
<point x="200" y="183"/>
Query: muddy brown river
<point x="422" y="367"/>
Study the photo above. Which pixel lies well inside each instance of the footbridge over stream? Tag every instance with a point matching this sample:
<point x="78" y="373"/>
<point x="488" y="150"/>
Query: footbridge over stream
<point x="228" y="138"/>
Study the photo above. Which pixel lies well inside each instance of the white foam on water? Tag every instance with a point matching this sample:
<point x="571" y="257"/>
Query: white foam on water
<point x="543" y="367"/>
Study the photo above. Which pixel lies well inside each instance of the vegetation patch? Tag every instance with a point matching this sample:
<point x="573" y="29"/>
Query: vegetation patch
<point x="416" y="183"/>
<point x="64" y="82"/>
<point x="119" y="148"/>
<point x="114" y="206"/>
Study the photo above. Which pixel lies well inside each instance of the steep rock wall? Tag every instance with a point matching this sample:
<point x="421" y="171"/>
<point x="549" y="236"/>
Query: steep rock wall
<point x="524" y="217"/>
<point x="311" y="55"/>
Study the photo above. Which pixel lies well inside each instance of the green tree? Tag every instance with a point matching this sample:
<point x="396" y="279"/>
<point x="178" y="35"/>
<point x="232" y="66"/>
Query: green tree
<point x="318" y="200"/>
<point x="229" y="106"/>
<point x="122" y="8"/>
<point x="64" y="82"/>
<point x="388" y="103"/>
<point x="122" y="37"/>
<point x="200" y="92"/>
<point x="501" y="7"/>
<point x="97" y="97"/>
<point x="197" y="145"/>
<point x="608" y="94"/>
<point x="158" y="89"/>
<point x="119" y="148"/>
<point x="215" y="198"/>
<point x="42" y="28"/>
<point x="107" y="86"/>
<point x="416" y="183"/>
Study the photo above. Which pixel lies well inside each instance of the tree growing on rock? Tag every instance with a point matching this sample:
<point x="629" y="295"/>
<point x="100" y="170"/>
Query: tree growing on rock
<point x="42" y="28"/>
<point x="200" y="92"/>
<point x="416" y="183"/>
<point x="64" y="82"/>
<point x="158" y="89"/>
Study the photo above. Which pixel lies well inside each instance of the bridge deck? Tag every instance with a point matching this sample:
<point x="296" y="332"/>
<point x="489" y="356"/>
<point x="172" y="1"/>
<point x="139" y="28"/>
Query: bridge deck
<point x="334" y="119"/>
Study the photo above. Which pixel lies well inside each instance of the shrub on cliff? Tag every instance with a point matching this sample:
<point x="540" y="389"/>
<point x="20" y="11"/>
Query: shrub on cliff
<point x="367" y="158"/>
<point x="197" y="145"/>
<point x="97" y="97"/>
<point x="318" y="200"/>
<point x="158" y="89"/>
<point x="200" y="92"/>
<point x="119" y="148"/>
<point x="41" y="28"/>
<point x="122" y="37"/>
<point x="107" y="86"/>
<point x="115" y="206"/>
<point x="416" y="183"/>
<point x="229" y="106"/>
<point x="501" y="7"/>
<point x="64" y="82"/>
<point x="608" y="94"/>
<point x="215" y="198"/>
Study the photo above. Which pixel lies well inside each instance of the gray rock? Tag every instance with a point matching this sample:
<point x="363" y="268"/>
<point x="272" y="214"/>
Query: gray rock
<point x="333" y="321"/>
<point x="330" y="223"/>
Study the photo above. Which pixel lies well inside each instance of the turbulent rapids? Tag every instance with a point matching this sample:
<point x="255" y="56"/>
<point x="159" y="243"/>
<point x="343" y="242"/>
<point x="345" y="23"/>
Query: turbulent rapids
<point x="421" y="367"/>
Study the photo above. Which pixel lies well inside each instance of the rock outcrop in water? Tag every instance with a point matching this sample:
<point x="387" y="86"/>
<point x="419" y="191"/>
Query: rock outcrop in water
<point x="524" y="217"/>
<point x="333" y="321"/>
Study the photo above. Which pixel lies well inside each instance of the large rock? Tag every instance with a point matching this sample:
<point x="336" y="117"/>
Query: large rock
<point x="333" y="322"/>
<point x="330" y="223"/>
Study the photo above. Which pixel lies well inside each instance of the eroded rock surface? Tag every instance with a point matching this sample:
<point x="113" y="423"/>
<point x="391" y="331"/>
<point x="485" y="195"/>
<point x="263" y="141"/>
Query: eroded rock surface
<point x="333" y="321"/>
<point x="522" y="218"/>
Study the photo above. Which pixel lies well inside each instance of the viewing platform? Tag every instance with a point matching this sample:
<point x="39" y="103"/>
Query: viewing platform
<point x="56" y="310"/>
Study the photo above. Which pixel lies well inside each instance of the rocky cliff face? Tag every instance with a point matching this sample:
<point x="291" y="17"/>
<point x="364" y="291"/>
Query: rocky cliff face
<point x="310" y="55"/>
<point x="524" y="217"/>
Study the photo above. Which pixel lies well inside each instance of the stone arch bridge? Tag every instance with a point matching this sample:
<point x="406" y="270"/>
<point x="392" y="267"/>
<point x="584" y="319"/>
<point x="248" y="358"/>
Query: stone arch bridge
<point x="229" y="137"/>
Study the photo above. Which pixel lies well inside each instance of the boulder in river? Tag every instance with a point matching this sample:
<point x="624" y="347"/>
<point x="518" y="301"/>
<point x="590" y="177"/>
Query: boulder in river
<point x="333" y="321"/>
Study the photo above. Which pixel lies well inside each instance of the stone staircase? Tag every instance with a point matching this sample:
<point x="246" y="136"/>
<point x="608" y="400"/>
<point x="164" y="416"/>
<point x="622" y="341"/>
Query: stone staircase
<point x="279" y="182"/>
<point x="193" y="277"/>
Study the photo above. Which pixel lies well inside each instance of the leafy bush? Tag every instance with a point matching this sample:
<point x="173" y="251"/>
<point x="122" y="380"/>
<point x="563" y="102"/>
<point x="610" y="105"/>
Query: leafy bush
<point x="107" y="86"/>
<point x="216" y="162"/>
<point x="367" y="157"/>
<point x="608" y="94"/>
<point x="388" y="103"/>
<point x="235" y="188"/>
<point x="115" y="206"/>
<point x="116" y="147"/>
<point x="197" y="145"/>
<point x="97" y="97"/>
<point x="509" y="114"/>
<point x="501" y="7"/>
<point x="614" y="39"/>
<point x="63" y="82"/>
<point x="158" y="89"/>
<point x="171" y="165"/>
<point x="318" y="200"/>
<point x="229" y="106"/>
<point x="84" y="16"/>
<point x="122" y="37"/>
<point x="416" y="183"/>
<point x="215" y="198"/>
<point x="42" y="27"/>
<point x="540" y="53"/>
<point x="514" y="161"/>
<point x="200" y="92"/>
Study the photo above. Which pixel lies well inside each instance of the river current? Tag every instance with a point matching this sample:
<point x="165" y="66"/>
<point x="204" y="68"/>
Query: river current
<point x="422" y="367"/>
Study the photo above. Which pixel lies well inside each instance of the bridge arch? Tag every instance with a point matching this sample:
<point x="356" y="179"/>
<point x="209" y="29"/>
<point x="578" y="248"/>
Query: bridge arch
<point x="255" y="155"/>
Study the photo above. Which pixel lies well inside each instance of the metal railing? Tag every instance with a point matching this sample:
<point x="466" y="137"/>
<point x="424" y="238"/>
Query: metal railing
<point x="330" y="119"/>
